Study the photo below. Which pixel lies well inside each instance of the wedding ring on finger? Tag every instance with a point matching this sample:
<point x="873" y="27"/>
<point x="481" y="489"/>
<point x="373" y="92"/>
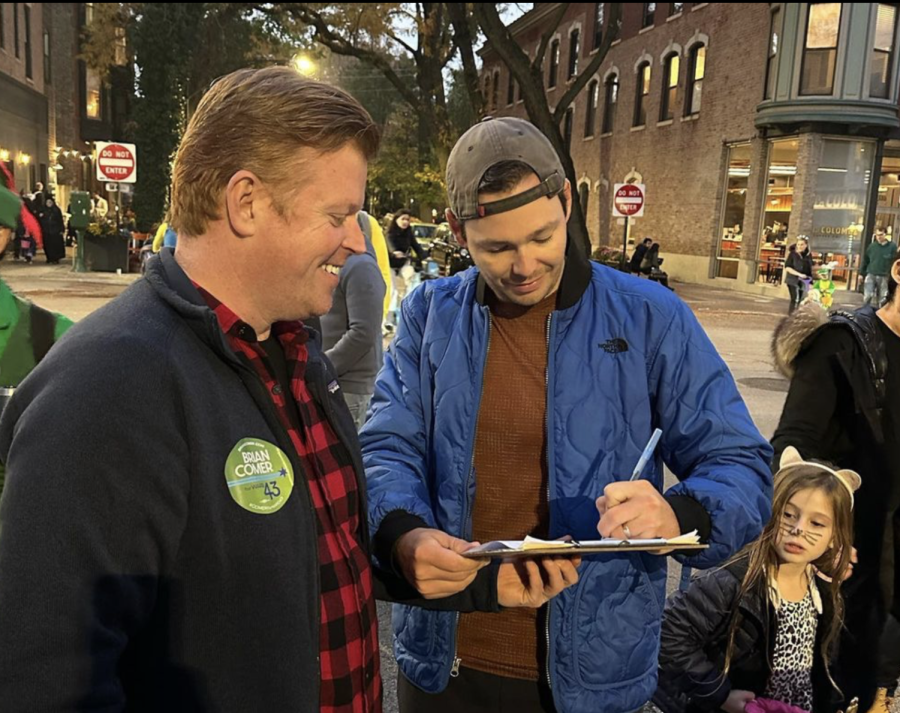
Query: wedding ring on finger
<point x="626" y="531"/>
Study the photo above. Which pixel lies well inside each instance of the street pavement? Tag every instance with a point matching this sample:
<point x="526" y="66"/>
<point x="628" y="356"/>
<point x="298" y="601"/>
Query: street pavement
<point x="740" y="326"/>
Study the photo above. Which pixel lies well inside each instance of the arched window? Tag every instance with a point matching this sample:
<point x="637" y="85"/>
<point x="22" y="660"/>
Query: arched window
<point x="671" y="68"/>
<point x="611" y="98"/>
<point x="641" y="92"/>
<point x="696" y="72"/>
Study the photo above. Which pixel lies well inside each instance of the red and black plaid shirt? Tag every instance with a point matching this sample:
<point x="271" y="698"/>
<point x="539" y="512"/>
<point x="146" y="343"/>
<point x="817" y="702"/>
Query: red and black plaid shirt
<point x="348" y="630"/>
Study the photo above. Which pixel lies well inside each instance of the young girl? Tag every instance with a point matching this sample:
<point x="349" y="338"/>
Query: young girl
<point x="764" y="625"/>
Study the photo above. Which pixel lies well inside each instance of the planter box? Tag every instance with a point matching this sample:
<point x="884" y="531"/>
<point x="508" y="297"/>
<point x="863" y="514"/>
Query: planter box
<point x="106" y="254"/>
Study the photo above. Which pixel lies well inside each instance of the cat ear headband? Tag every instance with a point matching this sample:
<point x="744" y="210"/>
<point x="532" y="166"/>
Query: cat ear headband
<point x="791" y="459"/>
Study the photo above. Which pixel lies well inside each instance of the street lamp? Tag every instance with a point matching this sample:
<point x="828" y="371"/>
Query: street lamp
<point x="303" y="65"/>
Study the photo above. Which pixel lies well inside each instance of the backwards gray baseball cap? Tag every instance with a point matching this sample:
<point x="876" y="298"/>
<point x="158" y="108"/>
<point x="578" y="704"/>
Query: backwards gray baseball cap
<point x="494" y="141"/>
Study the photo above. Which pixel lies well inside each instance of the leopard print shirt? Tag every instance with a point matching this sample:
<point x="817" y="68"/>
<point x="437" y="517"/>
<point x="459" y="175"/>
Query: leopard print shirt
<point x="795" y="643"/>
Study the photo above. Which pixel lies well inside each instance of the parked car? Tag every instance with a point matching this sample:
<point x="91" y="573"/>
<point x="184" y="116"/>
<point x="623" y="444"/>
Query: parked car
<point x="425" y="233"/>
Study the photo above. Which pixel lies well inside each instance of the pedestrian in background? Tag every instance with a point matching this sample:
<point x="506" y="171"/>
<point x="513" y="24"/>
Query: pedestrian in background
<point x="876" y="269"/>
<point x="52" y="228"/>
<point x="351" y="331"/>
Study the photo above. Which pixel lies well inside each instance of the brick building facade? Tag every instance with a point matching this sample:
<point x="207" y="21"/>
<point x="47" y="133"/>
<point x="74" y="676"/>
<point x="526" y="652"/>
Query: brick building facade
<point x="52" y="107"/>
<point x="748" y="123"/>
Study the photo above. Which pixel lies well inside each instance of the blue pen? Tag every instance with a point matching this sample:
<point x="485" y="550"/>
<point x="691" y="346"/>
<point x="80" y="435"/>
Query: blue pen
<point x="646" y="455"/>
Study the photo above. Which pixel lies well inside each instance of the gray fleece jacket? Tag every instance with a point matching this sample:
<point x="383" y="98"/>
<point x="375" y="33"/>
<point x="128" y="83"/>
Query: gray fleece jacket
<point x="351" y="331"/>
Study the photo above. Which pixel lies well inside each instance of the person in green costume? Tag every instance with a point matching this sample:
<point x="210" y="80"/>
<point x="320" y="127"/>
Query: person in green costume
<point x="26" y="331"/>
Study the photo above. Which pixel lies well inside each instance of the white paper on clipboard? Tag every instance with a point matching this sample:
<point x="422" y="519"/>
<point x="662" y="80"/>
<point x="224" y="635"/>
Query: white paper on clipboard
<point x="533" y="547"/>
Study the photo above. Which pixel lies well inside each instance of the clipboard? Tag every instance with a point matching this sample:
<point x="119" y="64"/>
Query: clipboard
<point x="532" y="547"/>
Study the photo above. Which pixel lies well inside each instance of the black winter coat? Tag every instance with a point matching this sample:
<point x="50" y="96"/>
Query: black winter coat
<point x="404" y="241"/>
<point x="695" y="630"/>
<point x="834" y="412"/>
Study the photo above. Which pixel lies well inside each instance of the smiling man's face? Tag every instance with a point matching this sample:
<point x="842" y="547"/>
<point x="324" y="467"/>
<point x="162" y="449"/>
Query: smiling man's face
<point x="521" y="253"/>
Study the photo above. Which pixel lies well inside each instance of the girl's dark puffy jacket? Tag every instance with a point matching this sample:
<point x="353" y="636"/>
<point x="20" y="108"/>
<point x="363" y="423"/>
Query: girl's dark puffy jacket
<point x="695" y="630"/>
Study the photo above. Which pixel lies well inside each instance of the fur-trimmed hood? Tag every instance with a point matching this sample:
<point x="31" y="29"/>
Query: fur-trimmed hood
<point x="793" y="332"/>
<point x="868" y="375"/>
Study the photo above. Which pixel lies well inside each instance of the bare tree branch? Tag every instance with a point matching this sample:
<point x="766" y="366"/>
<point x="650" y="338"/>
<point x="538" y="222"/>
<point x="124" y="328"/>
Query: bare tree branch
<point x="448" y="41"/>
<point x="531" y="84"/>
<point x="403" y="44"/>
<point x="615" y="23"/>
<point x="552" y="27"/>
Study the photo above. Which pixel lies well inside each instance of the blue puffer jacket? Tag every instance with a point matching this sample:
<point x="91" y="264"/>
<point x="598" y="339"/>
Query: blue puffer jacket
<point x="625" y="356"/>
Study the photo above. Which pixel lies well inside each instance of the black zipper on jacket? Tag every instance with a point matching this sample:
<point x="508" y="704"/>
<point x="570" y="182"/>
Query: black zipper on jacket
<point x="261" y="396"/>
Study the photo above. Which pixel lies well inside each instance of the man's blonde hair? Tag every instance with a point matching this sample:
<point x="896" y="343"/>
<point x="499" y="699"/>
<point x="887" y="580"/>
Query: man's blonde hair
<point x="257" y="119"/>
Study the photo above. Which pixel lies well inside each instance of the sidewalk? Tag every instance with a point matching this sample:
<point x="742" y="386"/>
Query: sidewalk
<point x="57" y="288"/>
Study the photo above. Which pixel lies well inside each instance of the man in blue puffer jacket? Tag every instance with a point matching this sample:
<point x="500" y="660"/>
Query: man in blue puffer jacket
<point x="515" y="400"/>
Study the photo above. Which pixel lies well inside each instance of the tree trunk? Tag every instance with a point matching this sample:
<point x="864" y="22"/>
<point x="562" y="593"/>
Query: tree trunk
<point x="463" y="38"/>
<point x="531" y="82"/>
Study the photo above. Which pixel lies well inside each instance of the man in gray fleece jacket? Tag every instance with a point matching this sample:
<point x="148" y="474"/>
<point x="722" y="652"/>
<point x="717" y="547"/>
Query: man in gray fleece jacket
<point x="351" y="331"/>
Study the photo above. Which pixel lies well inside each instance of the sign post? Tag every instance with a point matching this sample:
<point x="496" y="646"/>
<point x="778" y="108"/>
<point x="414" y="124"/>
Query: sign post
<point x="628" y="202"/>
<point x="116" y="164"/>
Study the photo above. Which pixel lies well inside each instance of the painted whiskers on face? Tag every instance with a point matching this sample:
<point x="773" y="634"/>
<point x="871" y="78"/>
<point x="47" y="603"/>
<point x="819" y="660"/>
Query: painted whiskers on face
<point x="813" y="538"/>
<point x="806" y="527"/>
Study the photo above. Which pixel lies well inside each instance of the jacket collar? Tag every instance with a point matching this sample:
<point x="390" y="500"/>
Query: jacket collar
<point x="757" y="601"/>
<point x="575" y="280"/>
<point x="173" y="286"/>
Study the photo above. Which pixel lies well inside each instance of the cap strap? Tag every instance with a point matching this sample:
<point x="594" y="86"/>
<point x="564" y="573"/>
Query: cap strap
<point x="550" y="186"/>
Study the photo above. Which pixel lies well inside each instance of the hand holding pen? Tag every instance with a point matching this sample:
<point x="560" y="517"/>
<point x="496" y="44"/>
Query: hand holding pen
<point x="634" y="509"/>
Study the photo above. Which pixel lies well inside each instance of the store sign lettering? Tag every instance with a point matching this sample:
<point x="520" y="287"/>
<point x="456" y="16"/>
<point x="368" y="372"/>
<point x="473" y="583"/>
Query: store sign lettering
<point x="841" y="201"/>
<point x="834" y="230"/>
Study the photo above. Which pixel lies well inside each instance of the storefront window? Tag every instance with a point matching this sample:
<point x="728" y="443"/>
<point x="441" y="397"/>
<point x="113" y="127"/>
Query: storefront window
<point x="736" y="181"/>
<point x="839" y="210"/>
<point x="887" y="215"/>
<point x="782" y="170"/>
